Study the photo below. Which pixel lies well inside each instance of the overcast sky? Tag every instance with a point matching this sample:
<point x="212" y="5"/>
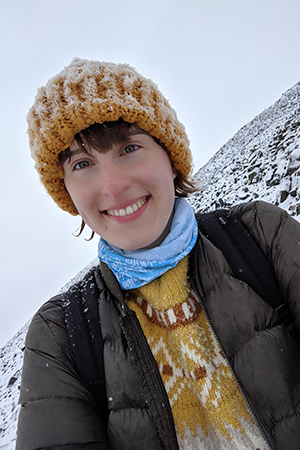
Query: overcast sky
<point x="219" y="62"/>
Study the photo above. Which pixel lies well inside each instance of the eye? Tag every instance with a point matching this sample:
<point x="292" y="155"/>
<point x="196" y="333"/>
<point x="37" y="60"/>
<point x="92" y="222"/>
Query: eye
<point x="130" y="148"/>
<point x="82" y="165"/>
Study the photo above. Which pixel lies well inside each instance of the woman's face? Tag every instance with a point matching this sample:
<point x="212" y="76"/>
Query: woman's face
<point x="125" y="195"/>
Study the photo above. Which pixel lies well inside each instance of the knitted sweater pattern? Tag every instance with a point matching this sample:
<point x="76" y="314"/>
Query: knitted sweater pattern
<point x="207" y="404"/>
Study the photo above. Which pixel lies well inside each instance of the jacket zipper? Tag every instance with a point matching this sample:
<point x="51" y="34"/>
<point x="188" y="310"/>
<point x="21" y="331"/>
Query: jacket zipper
<point x="250" y="408"/>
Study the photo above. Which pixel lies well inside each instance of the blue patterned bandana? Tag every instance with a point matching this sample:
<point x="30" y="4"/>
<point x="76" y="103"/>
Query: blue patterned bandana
<point x="134" y="268"/>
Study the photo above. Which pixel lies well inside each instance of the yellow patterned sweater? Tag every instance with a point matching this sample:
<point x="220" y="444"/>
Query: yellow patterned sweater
<point x="208" y="407"/>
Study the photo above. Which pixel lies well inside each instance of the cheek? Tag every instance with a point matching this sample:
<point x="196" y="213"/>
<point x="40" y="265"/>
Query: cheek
<point x="81" y="197"/>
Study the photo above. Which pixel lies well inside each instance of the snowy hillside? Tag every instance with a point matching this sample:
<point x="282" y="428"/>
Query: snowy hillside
<point x="261" y="161"/>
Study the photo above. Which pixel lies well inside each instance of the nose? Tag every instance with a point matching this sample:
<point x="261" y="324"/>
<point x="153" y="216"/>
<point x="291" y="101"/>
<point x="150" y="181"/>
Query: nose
<point x="114" y="179"/>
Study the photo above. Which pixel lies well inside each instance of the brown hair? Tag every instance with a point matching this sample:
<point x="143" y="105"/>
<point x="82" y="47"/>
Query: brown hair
<point x="102" y="137"/>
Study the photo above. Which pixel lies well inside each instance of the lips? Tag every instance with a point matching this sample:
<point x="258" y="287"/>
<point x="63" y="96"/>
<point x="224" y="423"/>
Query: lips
<point x="128" y="210"/>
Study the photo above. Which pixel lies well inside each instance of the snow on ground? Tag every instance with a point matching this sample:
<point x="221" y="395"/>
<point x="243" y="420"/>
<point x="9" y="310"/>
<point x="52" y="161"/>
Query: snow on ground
<point x="261" y="161"/>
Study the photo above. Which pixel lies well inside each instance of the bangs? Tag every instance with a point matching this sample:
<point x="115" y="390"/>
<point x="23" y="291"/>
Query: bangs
<point x="102" y="137"/>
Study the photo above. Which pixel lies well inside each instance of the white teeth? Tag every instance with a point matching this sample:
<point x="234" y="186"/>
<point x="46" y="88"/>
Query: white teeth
<point x="126" y="212"/>
<point x="129" y="210"/>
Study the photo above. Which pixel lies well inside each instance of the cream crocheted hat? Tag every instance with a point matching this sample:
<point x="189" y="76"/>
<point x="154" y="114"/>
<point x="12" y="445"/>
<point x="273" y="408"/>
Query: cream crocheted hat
<point x="88" y="92"/>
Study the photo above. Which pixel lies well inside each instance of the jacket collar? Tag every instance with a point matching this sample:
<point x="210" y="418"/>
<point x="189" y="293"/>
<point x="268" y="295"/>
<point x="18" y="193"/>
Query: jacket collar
<point x="111" y="282"/>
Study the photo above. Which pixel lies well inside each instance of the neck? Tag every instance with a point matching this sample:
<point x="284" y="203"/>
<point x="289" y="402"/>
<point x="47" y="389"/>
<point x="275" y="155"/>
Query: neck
<point x="163" y="235"/>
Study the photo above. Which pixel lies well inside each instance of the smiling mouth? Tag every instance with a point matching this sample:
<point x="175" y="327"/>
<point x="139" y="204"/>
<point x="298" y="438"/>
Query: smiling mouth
<point x="127" y="211"/>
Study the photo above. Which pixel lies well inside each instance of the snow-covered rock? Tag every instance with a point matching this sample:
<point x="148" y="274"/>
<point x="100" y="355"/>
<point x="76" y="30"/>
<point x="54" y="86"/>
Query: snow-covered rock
<point x="261" y="161"/>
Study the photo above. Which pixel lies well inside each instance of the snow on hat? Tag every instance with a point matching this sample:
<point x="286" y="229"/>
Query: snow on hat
<point x="88" y="92"/>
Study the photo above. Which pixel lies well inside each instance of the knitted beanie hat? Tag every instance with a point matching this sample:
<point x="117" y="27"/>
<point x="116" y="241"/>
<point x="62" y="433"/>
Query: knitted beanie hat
<point x="88" y="92"/>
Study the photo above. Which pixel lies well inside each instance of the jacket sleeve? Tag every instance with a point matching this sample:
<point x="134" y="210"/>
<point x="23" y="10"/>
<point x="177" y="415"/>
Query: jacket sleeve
<point x="278" y="234"/>
<point x="57" y="409"/>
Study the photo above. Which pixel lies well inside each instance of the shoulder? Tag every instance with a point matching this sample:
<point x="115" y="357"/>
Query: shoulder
<point x="269" y="225"/>
<point x="278" y="235"/>
<point x="47" y="329"/>
<point x="259" y="213"/>
<point x="48" y="332"/>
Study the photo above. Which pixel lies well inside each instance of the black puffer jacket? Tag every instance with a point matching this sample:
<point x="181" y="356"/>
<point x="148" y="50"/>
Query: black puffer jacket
<point x="58" y="410"/>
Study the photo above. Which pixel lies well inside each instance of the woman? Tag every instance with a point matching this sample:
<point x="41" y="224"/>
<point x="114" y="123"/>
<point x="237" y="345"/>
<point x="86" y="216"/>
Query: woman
<point x="191" y="356"/>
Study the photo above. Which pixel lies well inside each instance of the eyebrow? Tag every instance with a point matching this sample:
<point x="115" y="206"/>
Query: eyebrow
<point x="71" y="154"/>
<point x="75" y="152"/>
<point x="134" y="131"/>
